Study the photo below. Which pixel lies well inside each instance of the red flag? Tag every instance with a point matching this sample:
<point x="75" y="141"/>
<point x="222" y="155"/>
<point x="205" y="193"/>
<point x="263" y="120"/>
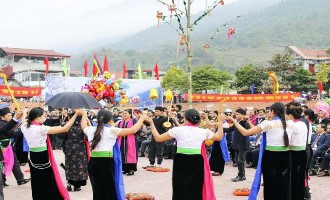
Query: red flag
<point x="47" y="65"/>
<point x="86" y="68"/>
<point x="106" y="64"/>
<point x="156" y="71"/>
<point x="124" y="70"/>
<point x="319" y="83"/>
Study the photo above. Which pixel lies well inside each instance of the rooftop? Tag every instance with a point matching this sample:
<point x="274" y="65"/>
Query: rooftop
<point x="32" y="52"/>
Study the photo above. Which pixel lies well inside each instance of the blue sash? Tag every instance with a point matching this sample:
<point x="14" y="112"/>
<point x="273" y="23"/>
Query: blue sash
<point x="257" y="178"/>
<point x="118" y="172"/>
<point x="224" y="149"/>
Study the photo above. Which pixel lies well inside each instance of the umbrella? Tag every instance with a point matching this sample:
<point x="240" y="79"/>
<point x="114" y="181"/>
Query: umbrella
<point x="73" y="100"/>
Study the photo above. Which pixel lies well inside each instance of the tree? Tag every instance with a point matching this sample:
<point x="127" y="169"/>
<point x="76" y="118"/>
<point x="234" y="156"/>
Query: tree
<point x="248" y="75"/>
<point x="282" y="66"/>
<point x="328" y="51"/>
<point x="209" y="78"/>
<point x="323" y="74"/>
<point x="184" y="33"/>
<point x="175" y="79"/>
<point x="302" y="80"/>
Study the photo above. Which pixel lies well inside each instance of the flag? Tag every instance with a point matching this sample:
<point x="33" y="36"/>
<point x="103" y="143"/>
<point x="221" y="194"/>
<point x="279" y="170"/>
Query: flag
<point x="105" y="64"/>
<point x="319" y="83"/>
<point x="85" y="68"/>
<point x="277" y="87"/>
<point x="124" y="70"/>
<point x="156" y="71"/>
<point x="65" y="68"/>
<point x="140" y="71"/>
<point x="96" y="70"/>
<point x="96" y="67"/>
<point x="47" y="65"/>
<point x="252" y="88"/>
<point x="221" y="89"/>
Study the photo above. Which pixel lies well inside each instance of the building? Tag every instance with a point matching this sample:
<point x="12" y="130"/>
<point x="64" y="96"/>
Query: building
<point x="307" y="58"/>
<point x="27" y="68"/>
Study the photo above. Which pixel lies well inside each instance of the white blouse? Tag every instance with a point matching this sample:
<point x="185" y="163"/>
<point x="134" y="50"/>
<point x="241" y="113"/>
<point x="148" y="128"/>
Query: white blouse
<point x="299" y="135"/>
<point x="108" y="137"/>
<point x="35" y="135"/>
<point x="274" y="131"/>
<point x="190" y="136"/>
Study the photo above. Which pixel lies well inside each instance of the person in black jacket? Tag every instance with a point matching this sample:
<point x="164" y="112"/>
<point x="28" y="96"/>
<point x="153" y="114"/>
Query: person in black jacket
<point x="156" y="148"/>
<point x="241" y="144"/>
<point x="5" y="139"/>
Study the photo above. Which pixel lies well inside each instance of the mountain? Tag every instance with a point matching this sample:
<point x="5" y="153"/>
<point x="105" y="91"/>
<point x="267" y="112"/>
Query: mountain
<point x="264" y="27"/>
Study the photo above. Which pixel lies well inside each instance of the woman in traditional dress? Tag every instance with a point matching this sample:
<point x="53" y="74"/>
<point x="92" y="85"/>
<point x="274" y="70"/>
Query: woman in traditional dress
<point x="191" y="171"/>
<point x="127" y="145"/>
<point x="104" y="166"/>
<point x="298" y="143"/>
<point x="45" y="180"/>
<point x="276" y="160"/>
<point x="76" y="161"/>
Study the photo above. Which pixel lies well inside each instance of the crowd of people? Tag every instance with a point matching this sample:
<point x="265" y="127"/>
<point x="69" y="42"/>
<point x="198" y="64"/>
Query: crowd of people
<point x="285" y="143"/>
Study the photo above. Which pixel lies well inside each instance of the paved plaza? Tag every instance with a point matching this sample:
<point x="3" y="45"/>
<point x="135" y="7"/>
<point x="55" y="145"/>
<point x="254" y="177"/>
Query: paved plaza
<point x="159" y="184"/>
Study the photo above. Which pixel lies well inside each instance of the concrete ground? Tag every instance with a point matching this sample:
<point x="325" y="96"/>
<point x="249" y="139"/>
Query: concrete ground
<point x="159" y="184"/>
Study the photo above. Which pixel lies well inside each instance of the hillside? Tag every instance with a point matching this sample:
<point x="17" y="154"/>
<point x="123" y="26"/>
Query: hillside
<point x="264" y="28"/>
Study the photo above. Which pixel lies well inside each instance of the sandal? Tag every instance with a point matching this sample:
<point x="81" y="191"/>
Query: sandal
<point x="216" y="174"/>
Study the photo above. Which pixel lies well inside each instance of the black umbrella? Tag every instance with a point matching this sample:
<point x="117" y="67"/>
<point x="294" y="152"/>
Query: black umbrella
<point x="73" y="100"/>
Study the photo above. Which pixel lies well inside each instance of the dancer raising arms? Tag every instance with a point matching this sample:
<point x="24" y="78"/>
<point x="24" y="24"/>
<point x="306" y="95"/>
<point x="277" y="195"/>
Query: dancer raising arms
<point x="191" y="172"/>
<point x="104" y="166"/>
<point x="45" y="180"/>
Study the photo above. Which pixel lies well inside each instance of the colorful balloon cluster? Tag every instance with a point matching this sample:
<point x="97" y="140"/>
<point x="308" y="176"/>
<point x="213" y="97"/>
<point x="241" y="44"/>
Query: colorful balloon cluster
<point x="107" y="88"/>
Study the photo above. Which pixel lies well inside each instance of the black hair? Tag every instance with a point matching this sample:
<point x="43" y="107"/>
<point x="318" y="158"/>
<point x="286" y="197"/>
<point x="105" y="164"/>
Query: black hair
<point x="263" y="110"/>
<point x="279" y="109"/>
<point x="130" y="111"/>
<point x="294" y="111"/>
<point x="324" y="127"/>
<point x="33" y="114"/>
<point x="153" y="113"/>
<point x="103" y="117"/>
<point x="178" y="106"/>
<point x="311" y="114"/>
<point x="192" y="116"/>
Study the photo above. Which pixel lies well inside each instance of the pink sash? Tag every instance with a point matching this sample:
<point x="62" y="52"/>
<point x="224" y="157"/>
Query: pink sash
<point x="61" y="188"/>
<point x="131" y="145"/>
<point x="8" y="161"/>
<point x="208" y="188"/>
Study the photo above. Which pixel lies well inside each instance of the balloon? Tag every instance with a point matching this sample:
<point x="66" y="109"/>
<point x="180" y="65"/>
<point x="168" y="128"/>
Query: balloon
<point x="153" y="94"/>
<point x="136" y="99"/>
<point x="168" y="95"/>
<point x="117" y="99"/>
<point x="106" y="74"/>
<point x="124" y="100"/>
<point x="122" y="85"/>
<point x="108" y="82"/>
<point x="116" y="86"/>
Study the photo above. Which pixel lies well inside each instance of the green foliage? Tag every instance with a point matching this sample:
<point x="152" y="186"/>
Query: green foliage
<point x="174" y="79"/>
<point x="209" y="78"/>
<point x="248" y="75"/>
<point x="301" y="80"/>
<point x="328" y="51"/>
<point x="323" y="72"/>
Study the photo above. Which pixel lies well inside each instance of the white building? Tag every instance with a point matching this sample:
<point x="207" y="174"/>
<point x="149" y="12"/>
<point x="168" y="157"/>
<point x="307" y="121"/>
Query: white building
<point x="27" y="67"/>
<point x="307" y="58"/>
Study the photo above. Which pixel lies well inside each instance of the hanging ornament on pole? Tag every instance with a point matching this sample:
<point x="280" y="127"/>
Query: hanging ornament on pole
<point x="171" y="8"/>
<point x="230" y="32"/>
<point x="182" y="41"/>
<point x="159" y="17"/>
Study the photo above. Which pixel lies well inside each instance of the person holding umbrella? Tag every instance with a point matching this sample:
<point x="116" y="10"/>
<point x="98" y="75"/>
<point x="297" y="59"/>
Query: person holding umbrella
<point x="105" y="167"/>
<point x="46" y="182"/>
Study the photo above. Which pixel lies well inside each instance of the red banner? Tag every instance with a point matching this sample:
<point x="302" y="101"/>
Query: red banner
<point x="20" y="91"/>
<point x="243" y="97"/>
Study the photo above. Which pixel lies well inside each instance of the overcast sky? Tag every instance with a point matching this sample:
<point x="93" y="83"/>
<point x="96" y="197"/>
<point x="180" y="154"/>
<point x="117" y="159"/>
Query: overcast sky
<point x="72" y="25"/>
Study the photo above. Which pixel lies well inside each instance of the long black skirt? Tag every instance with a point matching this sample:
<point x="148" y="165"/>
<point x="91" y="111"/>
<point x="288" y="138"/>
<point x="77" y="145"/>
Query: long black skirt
<point x="217" y="163"/>
<point x="101" y="172"/>
<point x="188" y="177"/>
<point x="276" y="168"/>
<point x="43" y="182"/>
<point x="299" y="160"/>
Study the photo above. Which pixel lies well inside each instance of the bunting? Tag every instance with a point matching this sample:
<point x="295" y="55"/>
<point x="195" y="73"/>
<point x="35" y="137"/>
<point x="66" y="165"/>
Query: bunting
<point x="124" y="70"/>
<point x="65" y="68"/>
<point x="140" y="71"/>
<point x="105" y="64"/>
<point x="85" y="68"/>
<point x="156" y="71"/>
